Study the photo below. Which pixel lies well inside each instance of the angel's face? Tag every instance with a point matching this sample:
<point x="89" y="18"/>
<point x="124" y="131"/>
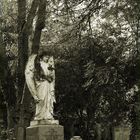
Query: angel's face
<point x="45" y="58"/>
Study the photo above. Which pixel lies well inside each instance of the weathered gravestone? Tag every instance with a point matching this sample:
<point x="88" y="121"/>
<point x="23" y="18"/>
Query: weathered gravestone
<point x="76" y="138"/>
<point x="121" y="133"/>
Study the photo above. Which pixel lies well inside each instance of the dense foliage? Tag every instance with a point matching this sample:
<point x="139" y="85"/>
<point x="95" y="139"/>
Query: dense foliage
<point x="96" y="49"/>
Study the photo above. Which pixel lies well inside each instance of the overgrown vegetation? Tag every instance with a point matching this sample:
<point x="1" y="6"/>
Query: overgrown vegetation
<point x="96" y="49"/>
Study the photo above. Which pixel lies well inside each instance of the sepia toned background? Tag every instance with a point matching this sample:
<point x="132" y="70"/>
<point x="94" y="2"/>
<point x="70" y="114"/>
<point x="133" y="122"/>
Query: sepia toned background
<point x="96" y="46"/>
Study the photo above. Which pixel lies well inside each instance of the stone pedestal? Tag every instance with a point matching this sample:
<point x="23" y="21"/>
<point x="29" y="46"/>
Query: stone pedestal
<point x="44" y="122"/>
<point x="45" y="132"/>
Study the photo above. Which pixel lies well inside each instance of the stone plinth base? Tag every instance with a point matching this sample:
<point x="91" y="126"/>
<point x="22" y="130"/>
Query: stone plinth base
<point x="44" y="122"/>
<point x="45" y="132"/>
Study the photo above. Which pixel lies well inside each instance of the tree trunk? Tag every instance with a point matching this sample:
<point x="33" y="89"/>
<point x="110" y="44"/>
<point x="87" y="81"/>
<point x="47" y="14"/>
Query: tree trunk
<point x="22" y="45"/>
<point x="24" y="28"/>
<point x="40" y="24"/>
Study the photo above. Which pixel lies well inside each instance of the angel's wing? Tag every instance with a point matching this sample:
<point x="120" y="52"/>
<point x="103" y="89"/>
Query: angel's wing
<point x="29" y="76"/>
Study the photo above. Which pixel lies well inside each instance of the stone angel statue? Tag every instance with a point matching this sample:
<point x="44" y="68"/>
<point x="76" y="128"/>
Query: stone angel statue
<point x="40" y="79"/>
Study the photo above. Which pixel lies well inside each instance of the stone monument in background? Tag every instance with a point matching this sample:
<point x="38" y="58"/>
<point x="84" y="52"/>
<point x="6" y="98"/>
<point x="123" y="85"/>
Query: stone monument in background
<point x="76" y="138"/>
<point x="40" y="79"/>
<point x="121" y="133"/>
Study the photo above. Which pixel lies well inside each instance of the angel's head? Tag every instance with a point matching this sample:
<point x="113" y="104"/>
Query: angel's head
<point x="45" y="56"/>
